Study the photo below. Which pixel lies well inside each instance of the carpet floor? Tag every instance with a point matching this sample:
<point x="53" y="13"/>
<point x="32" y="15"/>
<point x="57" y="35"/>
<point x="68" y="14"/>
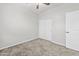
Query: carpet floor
<point x="38" y="47"/>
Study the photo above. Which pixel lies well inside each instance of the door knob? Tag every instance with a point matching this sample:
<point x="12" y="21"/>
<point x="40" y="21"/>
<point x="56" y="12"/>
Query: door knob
<point x="67" y="32"/>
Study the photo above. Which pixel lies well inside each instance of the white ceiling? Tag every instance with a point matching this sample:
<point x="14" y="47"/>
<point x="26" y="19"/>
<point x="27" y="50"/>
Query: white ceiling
<point x="42" y="7"/>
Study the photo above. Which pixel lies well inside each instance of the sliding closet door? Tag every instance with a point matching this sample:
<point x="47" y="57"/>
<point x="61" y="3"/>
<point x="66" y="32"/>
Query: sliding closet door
<point x="72" y="30"/>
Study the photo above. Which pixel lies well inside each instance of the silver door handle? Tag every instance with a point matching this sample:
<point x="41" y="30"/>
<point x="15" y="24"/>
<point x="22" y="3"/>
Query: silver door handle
<point x="67" y="32"/>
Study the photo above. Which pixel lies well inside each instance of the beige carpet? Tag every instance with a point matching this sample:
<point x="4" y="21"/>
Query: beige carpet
<point x="38" y="47"/>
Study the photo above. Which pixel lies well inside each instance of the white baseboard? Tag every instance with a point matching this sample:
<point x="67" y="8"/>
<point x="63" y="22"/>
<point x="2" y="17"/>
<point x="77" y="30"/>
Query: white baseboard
<point x="30" y="40"/>
<point x="58" y="43"/>
<point x="55" y="42"/>
<point x="18" y="43"/>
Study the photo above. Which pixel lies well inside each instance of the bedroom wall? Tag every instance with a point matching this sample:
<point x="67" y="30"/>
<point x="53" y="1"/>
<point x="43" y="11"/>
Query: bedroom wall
<point x="57" y="29"/>
<point x="19" y="24"/>
<point x="57" y="16"/>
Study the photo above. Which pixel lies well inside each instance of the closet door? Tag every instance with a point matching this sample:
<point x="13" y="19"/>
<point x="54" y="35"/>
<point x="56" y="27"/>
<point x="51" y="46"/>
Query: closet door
<point x="45" y="29"/>
<point x="72" y="30"/>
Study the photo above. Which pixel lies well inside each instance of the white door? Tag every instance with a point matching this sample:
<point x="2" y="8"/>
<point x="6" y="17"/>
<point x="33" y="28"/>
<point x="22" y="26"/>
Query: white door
<point x="72" y="30"/>
<point x="45" y="29"/>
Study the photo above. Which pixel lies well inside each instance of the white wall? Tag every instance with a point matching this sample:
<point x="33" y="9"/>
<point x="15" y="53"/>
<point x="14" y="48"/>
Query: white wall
<point x="57" y="29"/>
<point x="57" y="15"/>
<point x="19" y="24"/>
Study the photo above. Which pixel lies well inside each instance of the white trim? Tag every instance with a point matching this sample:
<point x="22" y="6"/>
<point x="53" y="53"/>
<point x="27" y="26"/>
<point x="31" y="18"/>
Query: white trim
<point x="55" y="42"/>
<point x="30" y="40"/>
<point x="18" y="43"/>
